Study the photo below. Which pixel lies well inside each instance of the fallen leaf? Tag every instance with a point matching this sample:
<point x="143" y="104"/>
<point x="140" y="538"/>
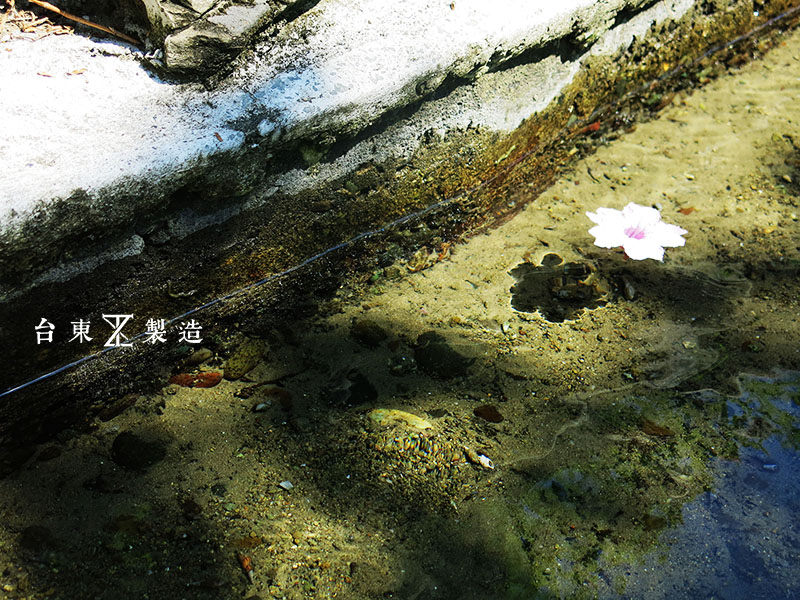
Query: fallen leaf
<point x="687" y="210"/>
<point x="197" y="380"/>
<point x="218" y="136"/>
<point x="651" y="428"/>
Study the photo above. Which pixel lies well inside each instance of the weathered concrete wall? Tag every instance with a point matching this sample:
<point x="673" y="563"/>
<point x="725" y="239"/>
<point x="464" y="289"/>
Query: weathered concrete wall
<point x="125" y="193"/>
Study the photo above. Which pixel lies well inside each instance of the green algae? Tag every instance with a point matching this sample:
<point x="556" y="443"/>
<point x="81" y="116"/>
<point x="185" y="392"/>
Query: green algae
<point x="244" y="358"/>
<point x="764" y="411"/>
<point x="601" y="497"/>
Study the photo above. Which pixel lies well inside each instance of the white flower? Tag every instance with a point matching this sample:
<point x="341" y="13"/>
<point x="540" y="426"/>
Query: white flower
<point x="638" y="229"/>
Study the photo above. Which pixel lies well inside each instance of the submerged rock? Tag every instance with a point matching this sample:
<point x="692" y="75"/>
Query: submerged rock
<point x="368" y="333"/>
<point x="393" y="417"/>
<point x="650" y="427"/>
<point x="488" y="412"/>
<point x="354" y="389"/>
<point x="244" y="359"/>
<point x="198" y="357"/>
<point x="37" y="538"/>
<point x="136" y="452"/>
<point x="435" y="356"/>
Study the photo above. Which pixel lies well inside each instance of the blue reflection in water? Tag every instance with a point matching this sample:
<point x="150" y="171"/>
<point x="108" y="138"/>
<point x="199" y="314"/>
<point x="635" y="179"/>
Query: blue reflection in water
<point x="741" y="540"/>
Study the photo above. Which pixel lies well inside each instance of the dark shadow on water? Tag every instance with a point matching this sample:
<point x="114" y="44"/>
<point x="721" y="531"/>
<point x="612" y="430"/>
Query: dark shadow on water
<point x="76" y="520"/>
<point x="82" y="525"/>
<point x="85" y="527"/>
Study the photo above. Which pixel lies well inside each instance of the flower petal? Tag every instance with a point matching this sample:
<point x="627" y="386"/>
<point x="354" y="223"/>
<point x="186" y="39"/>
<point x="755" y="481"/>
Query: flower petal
<point x="606" y="216"/>
<point x="668" y="235"/>
<point x="644" y="215"/>
<point x="642" y="249"/>
<point x="608" y="237"/>
<point x="638" y="229"/>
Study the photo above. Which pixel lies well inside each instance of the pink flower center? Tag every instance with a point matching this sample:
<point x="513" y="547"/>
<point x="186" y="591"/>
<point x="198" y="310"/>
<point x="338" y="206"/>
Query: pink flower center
<point x="637" y="233"/>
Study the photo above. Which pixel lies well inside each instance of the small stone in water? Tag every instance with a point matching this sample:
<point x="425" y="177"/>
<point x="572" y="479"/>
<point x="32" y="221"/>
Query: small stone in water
<point x="198" y="357"/>
<point x="485" y="461"/>
<point x="435" y="356"/>
<point x="244" y="359"/>
<point x="284" y="397"/>
<point x="488" y="412"/>
<point x="478" y="459"/>
<point x="368" y="333"/>
<point x="359" y="389"/>
<point x="627" y="288"/>
<point x="135" y="452"/>
<point x="392" y="417"/>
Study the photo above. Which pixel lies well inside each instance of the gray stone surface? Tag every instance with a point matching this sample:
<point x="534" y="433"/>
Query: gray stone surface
<point x="200" y="37"/>
<point x="218" y="32"/>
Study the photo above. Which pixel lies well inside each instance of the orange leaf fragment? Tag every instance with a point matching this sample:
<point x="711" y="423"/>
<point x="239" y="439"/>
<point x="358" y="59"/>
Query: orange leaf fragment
<point x="197" y="380"/>
<point x="687" y="210"/>
<point x="247" y="566"/>
<point x="218" y="136"/>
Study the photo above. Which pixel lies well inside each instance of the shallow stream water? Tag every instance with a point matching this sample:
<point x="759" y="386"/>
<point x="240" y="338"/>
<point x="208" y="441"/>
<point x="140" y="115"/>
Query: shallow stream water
<point x="524" y="415"/>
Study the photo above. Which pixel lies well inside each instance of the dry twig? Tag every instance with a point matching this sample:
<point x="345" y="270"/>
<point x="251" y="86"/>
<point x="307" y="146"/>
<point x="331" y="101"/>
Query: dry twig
<point x="72" y="17"/>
